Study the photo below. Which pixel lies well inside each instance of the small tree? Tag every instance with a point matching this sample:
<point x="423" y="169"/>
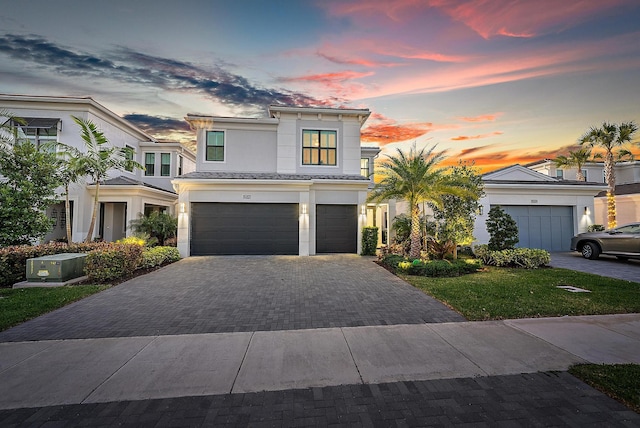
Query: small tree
<point x="455" y="218"/>
<point x="28" y="182"/>
<point x="502" y="228"/>
<point x="157" y="225"/>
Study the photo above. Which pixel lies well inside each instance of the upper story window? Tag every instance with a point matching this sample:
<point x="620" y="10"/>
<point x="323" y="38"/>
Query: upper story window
<point x="584" y="174"/>
<point x="559" y="174"/>
<point x="39" y="131"/>
<point x="128" y="156"/>
<point x="364" y="167"/>
<point x="165" y="164"/>
<point x="180" y="164"/>
<point x="319" y="147"/>
<point x="149" y="164"/>
<point x="215" y="146"/>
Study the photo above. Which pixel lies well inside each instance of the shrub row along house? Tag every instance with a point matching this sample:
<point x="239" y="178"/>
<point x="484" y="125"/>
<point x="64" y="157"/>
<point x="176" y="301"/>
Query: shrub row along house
<point x="293" y="182"/>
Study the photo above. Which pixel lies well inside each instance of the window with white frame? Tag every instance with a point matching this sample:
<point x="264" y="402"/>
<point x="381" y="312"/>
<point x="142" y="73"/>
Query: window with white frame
<point x="149" y="164"/>
<point x="165" y="164"/>
<point x="214" y="150"/>
<point x="319" y="147"/>
<point x="559" y="174"/>
<point x="584" y="174"/>
<point x="40" y="131"/>
<point x="364" y="167"/>
<point x="180" y="164"/>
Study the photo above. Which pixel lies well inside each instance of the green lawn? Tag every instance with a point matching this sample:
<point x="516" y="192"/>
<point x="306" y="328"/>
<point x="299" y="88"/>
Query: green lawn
<point x="503" y="293"/>
<point x="21" y="304"/>
<point x="619" y="381"/>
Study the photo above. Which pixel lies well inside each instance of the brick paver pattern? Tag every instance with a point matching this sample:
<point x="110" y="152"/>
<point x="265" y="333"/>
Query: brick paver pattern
<point x="540" y="399"/>
<point x="237" y="293"/>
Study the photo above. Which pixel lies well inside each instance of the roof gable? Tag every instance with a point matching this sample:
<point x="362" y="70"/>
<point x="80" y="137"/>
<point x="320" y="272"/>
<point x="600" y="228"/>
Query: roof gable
<point x="517" y="172"/>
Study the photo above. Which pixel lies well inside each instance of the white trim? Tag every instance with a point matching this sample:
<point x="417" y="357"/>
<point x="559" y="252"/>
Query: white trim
<point x="224" y="147"/>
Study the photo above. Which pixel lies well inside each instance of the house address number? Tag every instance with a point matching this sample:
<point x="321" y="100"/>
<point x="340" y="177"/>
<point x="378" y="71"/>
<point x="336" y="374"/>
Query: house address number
<point x="246" y="196"/>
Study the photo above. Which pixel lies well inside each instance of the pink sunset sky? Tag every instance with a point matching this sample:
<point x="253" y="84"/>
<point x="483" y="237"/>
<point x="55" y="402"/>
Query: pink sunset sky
<point x="494" y="82"/>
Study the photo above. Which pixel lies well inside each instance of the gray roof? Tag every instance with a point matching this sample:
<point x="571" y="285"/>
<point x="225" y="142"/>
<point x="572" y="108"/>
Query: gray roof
<point x="545" y="183"/>
<point x="222" y="175"/>
<point x="623" y="189"/>
<point x="126" y="181"/>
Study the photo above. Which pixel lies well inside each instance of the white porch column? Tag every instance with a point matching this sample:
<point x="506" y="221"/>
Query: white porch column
<point x="184" y="213"/>
<point x="304" y="224"/>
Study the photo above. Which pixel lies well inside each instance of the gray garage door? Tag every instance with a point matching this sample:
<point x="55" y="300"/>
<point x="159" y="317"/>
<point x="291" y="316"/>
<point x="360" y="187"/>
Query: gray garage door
<point x="546" y="227"/>
<point x="229" y="228"/>
<point x="336" y="228"/>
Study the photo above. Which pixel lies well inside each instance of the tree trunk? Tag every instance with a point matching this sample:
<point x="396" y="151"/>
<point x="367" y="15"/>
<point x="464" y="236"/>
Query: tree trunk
<point x="67" y="210"/>
<point x="414" y="253"/>
<point x="94" y="214"/>
<point x="455" y="251"/>
<point x="610" y="178"/>
<point x="580" y="175"/>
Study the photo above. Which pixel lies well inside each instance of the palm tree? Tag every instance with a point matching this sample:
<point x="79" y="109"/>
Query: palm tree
<point x="69" y="172"/>
<point x="609" y="137"/>
<point x="575" y="159"/>
<point x="96" y="162"/>
<point x="415" y="177"/>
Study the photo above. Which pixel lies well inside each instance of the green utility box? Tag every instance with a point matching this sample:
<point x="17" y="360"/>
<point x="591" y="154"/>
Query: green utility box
<point x="56" y="268"/>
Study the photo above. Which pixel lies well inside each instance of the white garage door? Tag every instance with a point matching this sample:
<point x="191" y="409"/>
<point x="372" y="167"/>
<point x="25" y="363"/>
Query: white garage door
<point x="546" y="227"/>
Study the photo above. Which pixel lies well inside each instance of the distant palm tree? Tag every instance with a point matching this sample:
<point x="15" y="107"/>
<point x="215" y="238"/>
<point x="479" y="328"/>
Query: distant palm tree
<point x="96" y="162"/>
<point x="575" y="159"/>
<point x="415" y="177"/>
<point x="70" y="171"/>
<point x="609" y="137"/>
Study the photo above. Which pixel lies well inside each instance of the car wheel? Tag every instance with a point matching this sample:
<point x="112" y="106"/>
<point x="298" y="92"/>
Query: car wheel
<point x="590" y="251"/>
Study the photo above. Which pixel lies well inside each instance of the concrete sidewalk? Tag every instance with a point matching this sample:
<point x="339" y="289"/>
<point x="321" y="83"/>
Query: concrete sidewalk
<point x="45" y="373"/>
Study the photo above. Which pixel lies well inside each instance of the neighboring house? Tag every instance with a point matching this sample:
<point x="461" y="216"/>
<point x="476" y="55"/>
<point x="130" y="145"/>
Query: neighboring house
<point x="627" y="187"/>
<point x="123" y="196"/>
<point x="548" y="210"/>
<point x="294" y="182"/>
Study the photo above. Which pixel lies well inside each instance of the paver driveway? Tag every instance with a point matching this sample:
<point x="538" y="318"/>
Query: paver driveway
<point x="242" y="293"/>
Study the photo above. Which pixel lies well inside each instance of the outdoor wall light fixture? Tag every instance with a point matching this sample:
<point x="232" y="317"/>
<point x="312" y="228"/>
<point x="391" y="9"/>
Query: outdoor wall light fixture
<point x="303" y="209"/>
<point x="183" y="207"/>
<point x="586" y="210"/>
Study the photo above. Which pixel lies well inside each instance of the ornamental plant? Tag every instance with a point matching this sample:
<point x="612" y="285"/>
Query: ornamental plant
<point x="502" y="228"/>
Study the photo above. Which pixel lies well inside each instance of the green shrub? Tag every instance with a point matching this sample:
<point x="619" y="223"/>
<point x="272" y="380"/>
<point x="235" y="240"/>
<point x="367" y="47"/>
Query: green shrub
<point x="157" y="225"/>
<point x="433" y="268"/>
<point x="114" y="262"/>
<point x="13" y="260"/>
<point x="595" y="228"/>
<point x="135" y="240"/>
<point x="157" y="256"/>
<point x="528" y="258"/>
<point x="502" y="228"/>
<point x="369" y="241"/>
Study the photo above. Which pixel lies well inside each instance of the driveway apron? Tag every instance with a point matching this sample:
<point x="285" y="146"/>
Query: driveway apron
<point x="222" y="294"/>
<point x="604" y="266"/>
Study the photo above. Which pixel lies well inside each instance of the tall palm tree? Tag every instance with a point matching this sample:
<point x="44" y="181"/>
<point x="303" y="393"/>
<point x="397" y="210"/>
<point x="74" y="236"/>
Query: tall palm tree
<point x="70" y="171"/>
<point x="96" y="162"/>
<point x="575" y="159"/>
<point x="609" y="137"/>
<point x="415" y="177"/>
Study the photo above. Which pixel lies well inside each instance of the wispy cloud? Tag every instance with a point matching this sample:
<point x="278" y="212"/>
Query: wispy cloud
<point x="126" y="65"/>
<point x="384" y="130"/>
<point x="491" y="117"/>
<point x="476" y="137"/>
<point x="341" y="83"/>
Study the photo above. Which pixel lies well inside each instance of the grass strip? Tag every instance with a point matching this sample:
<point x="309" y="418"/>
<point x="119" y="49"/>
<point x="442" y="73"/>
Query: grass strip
<point x="21" y="304"/>
<point x="619" y="381"/>
<point x="508" y="293"/>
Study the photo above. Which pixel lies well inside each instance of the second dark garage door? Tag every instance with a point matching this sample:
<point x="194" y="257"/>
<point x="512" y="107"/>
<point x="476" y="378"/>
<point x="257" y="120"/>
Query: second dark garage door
<point x="336" y="228"/>
<point x="235" y="228"/>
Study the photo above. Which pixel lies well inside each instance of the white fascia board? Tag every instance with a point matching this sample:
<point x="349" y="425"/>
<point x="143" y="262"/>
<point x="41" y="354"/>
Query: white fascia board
<point x="132" y="190"/>
<point x="542" y="186"/>
<point x="87" y="102"/>
<point x="204" y="122"/>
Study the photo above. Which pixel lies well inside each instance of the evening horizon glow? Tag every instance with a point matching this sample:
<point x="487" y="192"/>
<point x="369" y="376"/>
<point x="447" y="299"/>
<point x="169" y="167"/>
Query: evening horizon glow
<point x="497" y="83"/>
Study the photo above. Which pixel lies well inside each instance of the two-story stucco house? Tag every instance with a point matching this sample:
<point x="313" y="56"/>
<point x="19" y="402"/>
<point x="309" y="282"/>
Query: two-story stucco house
<point x="294" y="182"/>
<point x="123" y="196"/>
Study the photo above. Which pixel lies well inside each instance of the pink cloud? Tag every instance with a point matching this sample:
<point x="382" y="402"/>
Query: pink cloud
<point x="384" y="130"/>
<point x="482" y="118"/>
<point x="476" y="137"/>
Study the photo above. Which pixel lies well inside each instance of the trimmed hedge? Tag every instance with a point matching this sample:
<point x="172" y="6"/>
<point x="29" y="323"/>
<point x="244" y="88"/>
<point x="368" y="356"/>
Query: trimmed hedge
<point x="114" y="262"/>
<point x="105" y="261"/>
<point x="432" y="268"/>
<point x="528" y="258"/>
<point x="369" y="241"/>
<point x="13" y="259"/>
<point x="157" y="256"/>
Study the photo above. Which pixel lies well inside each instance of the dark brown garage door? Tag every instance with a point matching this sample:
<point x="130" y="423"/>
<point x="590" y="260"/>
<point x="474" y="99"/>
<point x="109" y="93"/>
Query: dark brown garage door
<point x="336" y="228"/>
<point x="230" y="228"/>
